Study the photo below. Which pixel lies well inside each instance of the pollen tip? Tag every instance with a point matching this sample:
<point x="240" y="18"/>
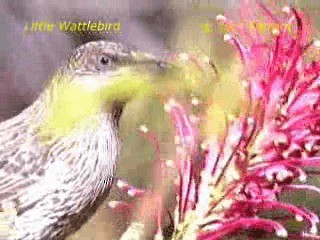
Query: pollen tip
<point x="285" y="154"/>
<point x="113" y="204"/>
<point x="281" y="140"/>
<point x="131" y="192"/>
<point x="308" y="147"/>
<point x="206" y="59"/>
<point x="316" y="43"/>
<point x="231" y="117"/>
<point x="245" y="84"/>
<point x="177" y="139"/>
<point x="282" y="233"/>
<point x="286" y="9"/>
<point x="195" y="101"/>
<point x="298" y="218"/>
<point x="204" y="145"/>
<point x="170" y="163"/>
<point x="269" y="177"/>
<point x="184" y="56"/>
<point x="281" y="176"/>
<point x="251" y="120"/>
<point x="121" y="184"/>
<point x="221" y="17"/>
<point x="143" y="128"/>
<point x="158" y="236"/>
<point x="168" y="106"/>
<point x="227" y="37"/>
<point x="275" y="32"/>
<point x="303" y="178"/>
<point x="313" y="230"/>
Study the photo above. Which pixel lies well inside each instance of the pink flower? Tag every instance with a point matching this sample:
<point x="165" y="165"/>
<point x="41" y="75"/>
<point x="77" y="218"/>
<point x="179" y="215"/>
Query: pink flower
<point x="268" y="150"/>
<point x="225" y="188"/>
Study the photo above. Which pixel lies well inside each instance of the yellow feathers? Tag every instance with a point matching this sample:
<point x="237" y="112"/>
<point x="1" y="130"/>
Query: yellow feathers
<point x="72" y="102"/>
<point x="69" y="104"/>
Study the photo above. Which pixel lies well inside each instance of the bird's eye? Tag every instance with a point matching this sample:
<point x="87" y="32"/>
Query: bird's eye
<point x="103" y="62"/>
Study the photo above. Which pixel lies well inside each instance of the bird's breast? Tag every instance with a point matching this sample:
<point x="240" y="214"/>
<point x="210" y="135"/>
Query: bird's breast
<point x="91" y="157"/>
<point x="62" y="181"/>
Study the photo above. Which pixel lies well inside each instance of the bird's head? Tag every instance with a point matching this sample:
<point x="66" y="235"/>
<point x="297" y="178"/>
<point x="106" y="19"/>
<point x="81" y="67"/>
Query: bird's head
<point x="99" y="77"/>
<point x="97" y="57"/>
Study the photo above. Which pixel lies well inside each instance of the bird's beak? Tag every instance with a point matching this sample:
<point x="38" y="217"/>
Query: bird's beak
<point x="141" y="57"/>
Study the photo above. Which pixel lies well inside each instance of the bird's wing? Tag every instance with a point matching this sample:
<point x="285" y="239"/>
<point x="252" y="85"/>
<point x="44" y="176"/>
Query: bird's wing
<point x="22" y="156"/>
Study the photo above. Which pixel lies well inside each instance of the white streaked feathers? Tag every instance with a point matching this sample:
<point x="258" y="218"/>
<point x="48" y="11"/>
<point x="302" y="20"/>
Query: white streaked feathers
<point x="48" y="181"/>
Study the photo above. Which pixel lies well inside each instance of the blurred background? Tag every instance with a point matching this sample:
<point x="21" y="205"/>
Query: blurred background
<point x="27" y="63"/>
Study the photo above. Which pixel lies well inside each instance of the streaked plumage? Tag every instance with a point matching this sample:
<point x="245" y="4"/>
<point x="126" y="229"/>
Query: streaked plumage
<point x="56" y="183"/>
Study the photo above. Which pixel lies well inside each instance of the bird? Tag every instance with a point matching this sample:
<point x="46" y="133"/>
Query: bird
<point x="51" y="182"/>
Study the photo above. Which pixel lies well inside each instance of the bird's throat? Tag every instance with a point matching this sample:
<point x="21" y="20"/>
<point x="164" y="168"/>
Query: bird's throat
<point x="69" y="107"/>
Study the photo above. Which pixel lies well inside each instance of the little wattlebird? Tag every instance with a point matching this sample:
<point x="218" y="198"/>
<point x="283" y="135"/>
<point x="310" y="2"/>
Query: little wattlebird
<point x="58" y="156"/>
